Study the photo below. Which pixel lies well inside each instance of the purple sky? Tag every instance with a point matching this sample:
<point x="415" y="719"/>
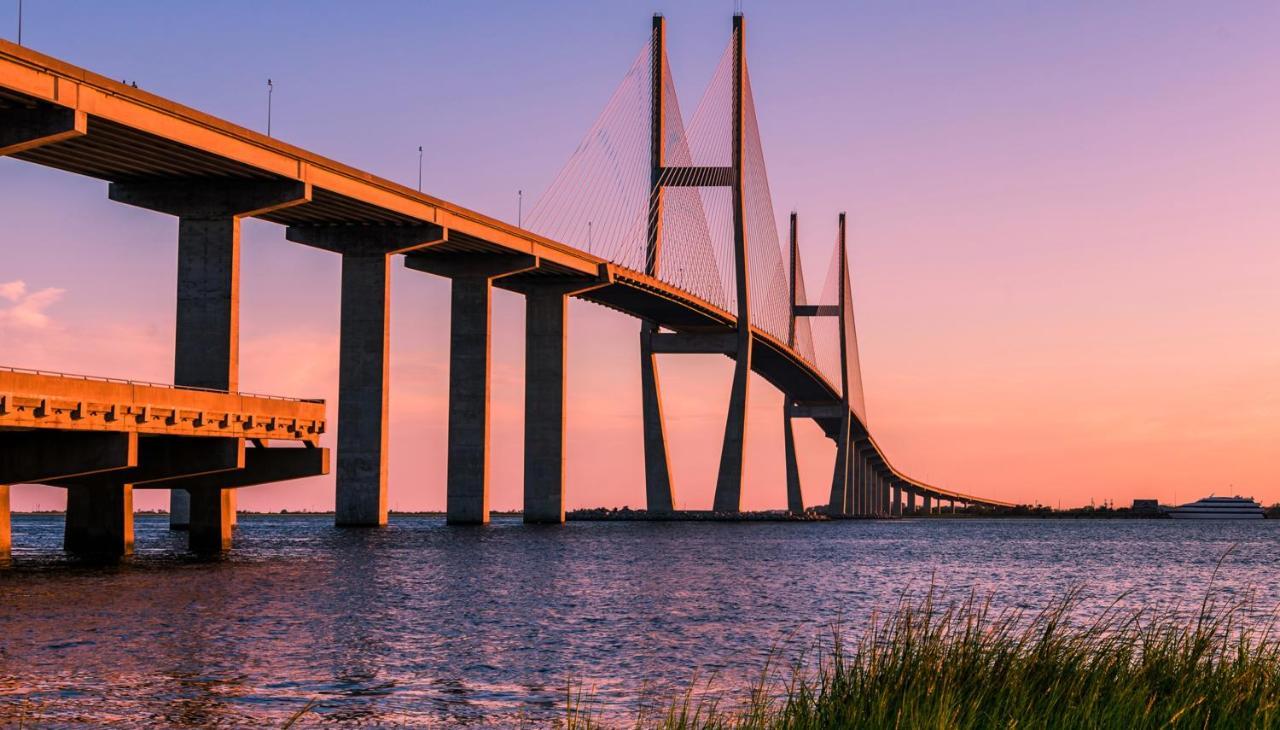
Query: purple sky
<point x="1065" y="227"/>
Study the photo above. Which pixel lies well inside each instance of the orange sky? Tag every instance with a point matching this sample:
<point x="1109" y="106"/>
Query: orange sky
<point x="1064" y="227"/>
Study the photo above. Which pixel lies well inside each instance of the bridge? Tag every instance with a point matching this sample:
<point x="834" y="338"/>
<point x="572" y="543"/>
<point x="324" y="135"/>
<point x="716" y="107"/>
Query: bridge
<point x="669" y="223"/>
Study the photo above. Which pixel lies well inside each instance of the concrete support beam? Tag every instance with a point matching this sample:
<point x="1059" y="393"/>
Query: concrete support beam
<point x="261" y="466"/>
<point x="168" y="457"/>
<point x="99" y="521"/>
<point x="6" y="526"/>
<point x="659" y="493"/>
<point x="207" y="341"/>
<point x="694" y="343"/>
<point x="30" y="457"/>
<point x="818" y="410"/>
<point x="26" y="129"/>
<point x="212" y="511"/>
<point x="469" y="363"/>
<point x="795" y="498"/>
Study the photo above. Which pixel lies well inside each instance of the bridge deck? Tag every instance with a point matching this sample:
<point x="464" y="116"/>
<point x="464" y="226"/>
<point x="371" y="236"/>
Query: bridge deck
<point x="35" y="400"/>
<point x="121" y="134"/>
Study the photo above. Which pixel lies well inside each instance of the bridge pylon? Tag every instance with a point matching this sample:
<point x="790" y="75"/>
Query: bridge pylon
<point x="658" y="484"/>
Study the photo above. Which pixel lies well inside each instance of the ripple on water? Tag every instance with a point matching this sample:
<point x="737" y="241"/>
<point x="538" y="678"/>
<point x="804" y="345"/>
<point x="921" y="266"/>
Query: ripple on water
<point x="427" y="625"/>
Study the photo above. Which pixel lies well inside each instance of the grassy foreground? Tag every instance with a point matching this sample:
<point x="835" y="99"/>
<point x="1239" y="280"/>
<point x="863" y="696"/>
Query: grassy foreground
<point x="965" y="666"/>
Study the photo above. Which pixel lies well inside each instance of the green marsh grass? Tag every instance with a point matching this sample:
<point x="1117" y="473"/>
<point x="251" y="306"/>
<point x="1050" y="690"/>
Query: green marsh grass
<point x="967" y="666"/>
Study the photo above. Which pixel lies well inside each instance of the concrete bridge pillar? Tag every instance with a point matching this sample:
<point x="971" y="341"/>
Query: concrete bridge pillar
<point x="843" y="473"/>
<point x="795" y="499"/>
<point x="897" y="499"/>
<point x="6" y="536"/>
<point x="212" y="516"/>
<point x="99" y="522"/>
<point x="544" y="406"/>
<point x="363" y="364"/>
<point x="886" y="494"/>
<point x="469" y="365"/>
<point x="472" y="277"/>
<point x="544" y="423"/>
<point x="927" y="504"/>
<point x="207" y="336"/>
<point x="911" y="501"/>
<point x="363" y="377"/>
<point x="659" y="494"/>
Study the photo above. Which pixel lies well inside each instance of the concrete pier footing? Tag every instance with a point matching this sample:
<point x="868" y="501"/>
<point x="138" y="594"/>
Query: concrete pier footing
<point x="99" y="521"/>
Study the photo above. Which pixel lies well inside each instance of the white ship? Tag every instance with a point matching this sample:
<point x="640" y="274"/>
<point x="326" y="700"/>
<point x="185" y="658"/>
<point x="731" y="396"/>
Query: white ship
<point x="1219" y="508"/>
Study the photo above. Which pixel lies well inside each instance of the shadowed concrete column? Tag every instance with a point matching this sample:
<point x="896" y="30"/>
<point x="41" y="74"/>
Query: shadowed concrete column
<point x="544" y="406"/>
<point x="546" y="300"/>
<point x="360" y="499"/>
<point x="468" y="469"/>
<point x="211" y="520"/>
<point x="927" y="503"/>
<point x="838" y="505"/>
<point x="659" y="494"/>
<point x="897" y="499"/>
<point x="886" y="498"/>
<point x="911" y="501"/>
<point x="472" y="278"/>
<point x="363" y="373"/>
<point x="795" y="498"/>
<point x="852" y="473"/>
<point x="6" y="536"/>
<point x="207" y="347"/>
<point x="99" y="520"/>
<point x="207" y="335"/>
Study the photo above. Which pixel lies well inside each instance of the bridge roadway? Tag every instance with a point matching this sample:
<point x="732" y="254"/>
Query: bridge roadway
<point x="166" y="157"/>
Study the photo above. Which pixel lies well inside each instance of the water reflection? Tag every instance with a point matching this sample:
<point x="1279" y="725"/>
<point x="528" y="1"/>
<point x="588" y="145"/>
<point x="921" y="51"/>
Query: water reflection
<point x="428" y="625"/>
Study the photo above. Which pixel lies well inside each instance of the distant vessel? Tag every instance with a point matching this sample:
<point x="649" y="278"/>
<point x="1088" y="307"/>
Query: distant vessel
<point x="1219" y="508"/>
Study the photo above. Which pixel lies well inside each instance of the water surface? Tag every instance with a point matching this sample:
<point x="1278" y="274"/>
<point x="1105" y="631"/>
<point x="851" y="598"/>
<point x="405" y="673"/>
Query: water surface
<point x="423" y="624"/>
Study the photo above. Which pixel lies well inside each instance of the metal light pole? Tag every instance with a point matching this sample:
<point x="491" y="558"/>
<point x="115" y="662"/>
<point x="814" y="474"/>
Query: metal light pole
<point x="519" y="209"/>
<point x="419" y="168"/>
<point x="19" y="22"/>
<point x="270" y="90"/>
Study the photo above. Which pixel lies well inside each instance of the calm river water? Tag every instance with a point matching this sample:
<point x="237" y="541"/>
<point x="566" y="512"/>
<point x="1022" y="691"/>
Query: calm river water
<point x="421" y="624"/>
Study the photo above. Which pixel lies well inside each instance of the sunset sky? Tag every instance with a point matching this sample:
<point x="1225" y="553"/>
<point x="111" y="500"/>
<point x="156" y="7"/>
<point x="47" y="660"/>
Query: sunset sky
<point x="1064" y="229"/>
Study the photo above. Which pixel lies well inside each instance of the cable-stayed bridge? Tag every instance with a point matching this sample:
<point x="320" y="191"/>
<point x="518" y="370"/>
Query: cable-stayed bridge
<point x="667" y="220"/>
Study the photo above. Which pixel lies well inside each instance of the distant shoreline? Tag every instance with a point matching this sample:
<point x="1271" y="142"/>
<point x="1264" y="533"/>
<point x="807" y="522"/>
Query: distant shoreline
<point x="624" y="514"/>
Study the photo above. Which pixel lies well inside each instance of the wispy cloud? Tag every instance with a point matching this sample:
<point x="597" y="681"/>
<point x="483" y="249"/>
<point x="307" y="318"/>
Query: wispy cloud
<point x="27" y="309"/>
